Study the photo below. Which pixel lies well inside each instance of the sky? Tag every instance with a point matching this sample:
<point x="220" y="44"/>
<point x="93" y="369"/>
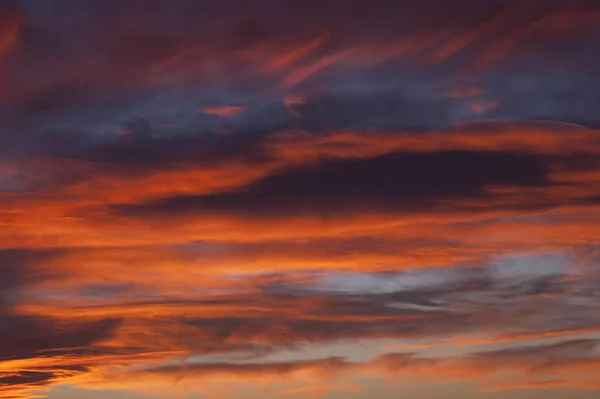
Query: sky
<point x="299" y="199"/>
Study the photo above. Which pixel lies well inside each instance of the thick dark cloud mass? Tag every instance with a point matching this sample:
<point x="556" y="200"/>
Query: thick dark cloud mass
<point x="390" y="182"/>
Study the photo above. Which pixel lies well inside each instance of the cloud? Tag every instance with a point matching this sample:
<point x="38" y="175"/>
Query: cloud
<point x="218" y="192"/>
<point x="223" y="110"/>
<point x="290" y="314"/>
<point x="163" y="73"/>
<point x="10" y="22"/>
<point x="279" y="314"/>
<point x="28" y="341"/>
<point x="484" y="367"/>
<point x="389" y="182"/>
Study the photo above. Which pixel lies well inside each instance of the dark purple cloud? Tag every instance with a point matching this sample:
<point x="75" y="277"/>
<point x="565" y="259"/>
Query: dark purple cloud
<point x="397" y="181"/>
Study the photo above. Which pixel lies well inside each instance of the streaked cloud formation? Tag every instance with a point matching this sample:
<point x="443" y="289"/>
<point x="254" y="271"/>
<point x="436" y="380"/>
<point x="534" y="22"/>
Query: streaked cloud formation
<point x="309" y="198"/>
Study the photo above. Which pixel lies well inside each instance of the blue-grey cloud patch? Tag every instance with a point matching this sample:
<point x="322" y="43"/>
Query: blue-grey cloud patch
<point x="149" y="67"/>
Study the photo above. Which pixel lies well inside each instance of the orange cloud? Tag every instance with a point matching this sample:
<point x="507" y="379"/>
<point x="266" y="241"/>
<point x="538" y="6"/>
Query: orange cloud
<point x="75" y="215"/>
<point x="223" y="110"/>
<point x="133" y="260"/>
<point x="488" y="369"/>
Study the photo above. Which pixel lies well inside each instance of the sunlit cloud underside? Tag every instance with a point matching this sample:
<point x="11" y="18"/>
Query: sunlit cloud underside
<point x="299" y="199"/>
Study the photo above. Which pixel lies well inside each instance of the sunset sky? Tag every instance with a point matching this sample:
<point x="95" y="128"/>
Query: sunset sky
<point x="264" y="199"/>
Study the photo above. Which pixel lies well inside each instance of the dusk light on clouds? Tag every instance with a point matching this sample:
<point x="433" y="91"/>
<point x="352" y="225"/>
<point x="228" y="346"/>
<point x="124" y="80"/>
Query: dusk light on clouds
<point x="236" y="199"/>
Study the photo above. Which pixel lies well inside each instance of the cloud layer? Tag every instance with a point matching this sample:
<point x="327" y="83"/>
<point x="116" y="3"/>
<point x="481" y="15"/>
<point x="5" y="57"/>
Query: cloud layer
<point x="224" y="196"/>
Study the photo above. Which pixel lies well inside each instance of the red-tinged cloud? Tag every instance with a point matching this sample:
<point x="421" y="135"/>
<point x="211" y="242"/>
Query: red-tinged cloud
<point x="542" y="363"/>
<point x="214" y="193"/>
<point x="445" y="172"/>
<point x="216" y="188"/>
<point x="261" y="317"/>
<point x="10" y="23"/>
<point x="223" y="110"/>
<point x="148" y="68"/>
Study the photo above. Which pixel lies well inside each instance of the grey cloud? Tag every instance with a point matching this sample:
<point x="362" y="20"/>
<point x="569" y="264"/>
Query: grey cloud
<point x="109" y="91"/>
